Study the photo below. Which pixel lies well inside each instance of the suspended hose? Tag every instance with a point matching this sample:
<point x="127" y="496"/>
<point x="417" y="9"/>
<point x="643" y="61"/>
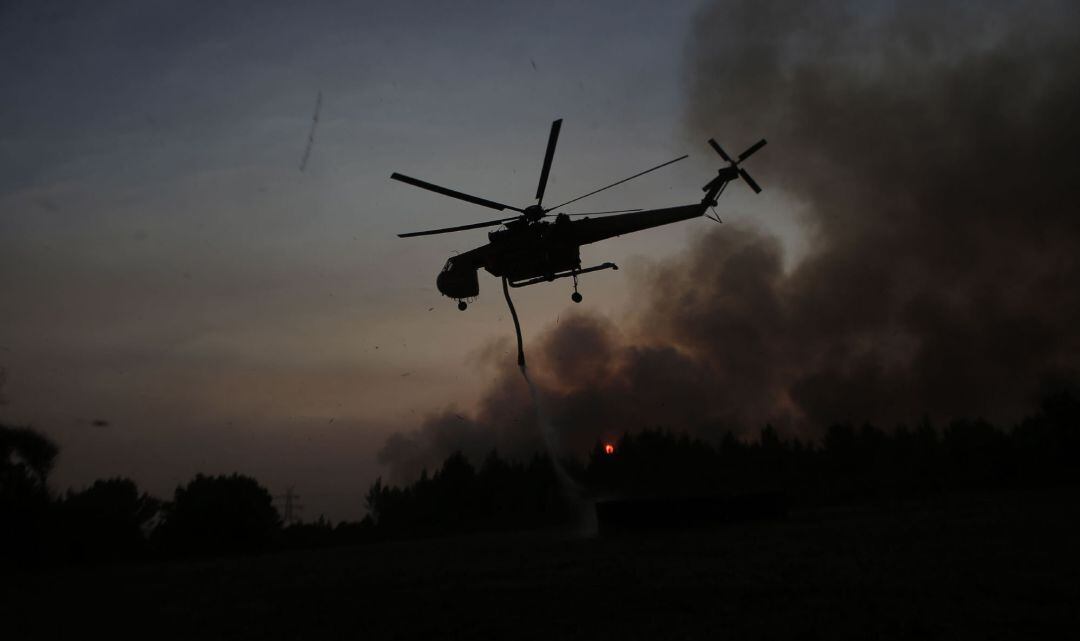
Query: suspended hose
<point x="517" y="325"/>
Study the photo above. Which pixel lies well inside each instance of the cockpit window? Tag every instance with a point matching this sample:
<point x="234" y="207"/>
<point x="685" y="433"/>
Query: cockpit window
<point x="449" y="265"/>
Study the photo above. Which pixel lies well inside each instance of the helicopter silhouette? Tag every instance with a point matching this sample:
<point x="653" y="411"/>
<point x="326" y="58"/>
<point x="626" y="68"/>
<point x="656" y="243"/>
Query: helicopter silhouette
<point x="531" y="250"/>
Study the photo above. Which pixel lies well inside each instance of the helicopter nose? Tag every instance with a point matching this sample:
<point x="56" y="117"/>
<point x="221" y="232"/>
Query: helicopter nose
<point x="443" y="284"/>
<point x="458" y="283"/>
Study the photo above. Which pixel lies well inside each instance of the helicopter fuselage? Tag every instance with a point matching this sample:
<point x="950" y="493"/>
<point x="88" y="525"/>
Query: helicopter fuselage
<point x="539" y="250"/>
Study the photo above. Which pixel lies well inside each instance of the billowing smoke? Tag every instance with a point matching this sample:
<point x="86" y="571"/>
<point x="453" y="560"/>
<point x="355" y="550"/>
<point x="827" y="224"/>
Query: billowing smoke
<point x="935" y="147"/>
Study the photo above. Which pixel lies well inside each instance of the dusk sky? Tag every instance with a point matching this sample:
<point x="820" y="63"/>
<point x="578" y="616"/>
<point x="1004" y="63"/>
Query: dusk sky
<point x="179" y="297"/>
<point x="166" y="267"/>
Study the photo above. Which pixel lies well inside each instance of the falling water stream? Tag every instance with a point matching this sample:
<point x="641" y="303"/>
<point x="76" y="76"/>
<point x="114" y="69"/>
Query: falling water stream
<point x="570" y="487"/>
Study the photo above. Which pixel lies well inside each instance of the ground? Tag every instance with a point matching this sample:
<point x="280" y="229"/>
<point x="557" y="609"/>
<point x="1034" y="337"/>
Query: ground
<point x="971" y="566"/>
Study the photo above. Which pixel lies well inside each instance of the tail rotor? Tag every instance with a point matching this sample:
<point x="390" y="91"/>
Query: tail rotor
<point x="733" y="170"/>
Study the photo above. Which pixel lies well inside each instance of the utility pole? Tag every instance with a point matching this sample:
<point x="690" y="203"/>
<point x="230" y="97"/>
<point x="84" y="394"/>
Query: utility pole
<point x="290" y="506"/>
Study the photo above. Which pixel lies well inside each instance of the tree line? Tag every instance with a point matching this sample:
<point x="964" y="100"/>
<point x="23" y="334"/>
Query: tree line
<point x="223" y="515"/>
<point x="112" y="520"/>
<point x="851" y="463"/>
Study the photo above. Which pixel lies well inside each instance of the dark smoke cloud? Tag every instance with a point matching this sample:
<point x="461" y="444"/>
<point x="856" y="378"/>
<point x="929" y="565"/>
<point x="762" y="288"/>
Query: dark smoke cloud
<point x="936" y="146"/>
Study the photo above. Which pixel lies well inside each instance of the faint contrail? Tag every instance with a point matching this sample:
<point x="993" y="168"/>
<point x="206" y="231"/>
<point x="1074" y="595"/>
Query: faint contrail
<point x="311" y="134"/>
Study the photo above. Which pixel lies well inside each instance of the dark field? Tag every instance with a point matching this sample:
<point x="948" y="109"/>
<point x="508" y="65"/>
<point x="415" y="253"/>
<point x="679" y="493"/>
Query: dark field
<point x="982" y="566"/>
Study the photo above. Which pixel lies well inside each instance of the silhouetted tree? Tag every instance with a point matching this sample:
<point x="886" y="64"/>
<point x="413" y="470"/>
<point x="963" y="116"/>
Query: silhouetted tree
<point x="219" y="515"/>
<point x="320" y="533"/>
<point x="457" y="498"/>
<point x="26" y="458"/>
<point x="107" y="520"/>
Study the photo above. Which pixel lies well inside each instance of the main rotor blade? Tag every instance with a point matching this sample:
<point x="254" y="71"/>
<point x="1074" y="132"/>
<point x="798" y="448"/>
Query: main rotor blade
<point x="446" y="230"/>
<point x="749" y="181"/>
<point x="719" y="149"/>
<point x="602" y="213"/>
<point x="483" y="202"/>
<point x="553" y="138"/>
<point x="750" y="152"/>
<point x="619" y="182"/>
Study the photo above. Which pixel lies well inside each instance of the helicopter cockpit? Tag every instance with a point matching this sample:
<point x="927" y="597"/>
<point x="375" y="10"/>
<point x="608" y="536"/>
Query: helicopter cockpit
<point x="458" y="280"/>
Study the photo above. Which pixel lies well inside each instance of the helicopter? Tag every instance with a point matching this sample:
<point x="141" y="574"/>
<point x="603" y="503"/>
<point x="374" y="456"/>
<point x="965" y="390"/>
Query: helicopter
<point x="531" y="250"/>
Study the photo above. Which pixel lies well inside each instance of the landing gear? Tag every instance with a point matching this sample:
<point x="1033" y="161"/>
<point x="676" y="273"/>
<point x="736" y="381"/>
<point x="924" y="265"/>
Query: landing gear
<point x="462" y="305"/>
<point x="576" y="297"/>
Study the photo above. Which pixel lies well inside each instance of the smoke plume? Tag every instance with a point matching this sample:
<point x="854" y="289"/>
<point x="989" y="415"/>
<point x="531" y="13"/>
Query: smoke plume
<point x="936" y="148"/>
